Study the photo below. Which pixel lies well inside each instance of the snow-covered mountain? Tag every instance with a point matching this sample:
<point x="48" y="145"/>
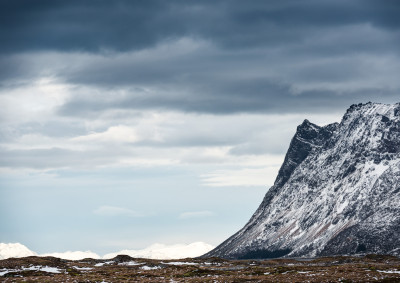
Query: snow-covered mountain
<point x="14" y="250"/>
<point x="161" y="251"/>
<point x="155" y="251"/>
<point x="337" y="192"/>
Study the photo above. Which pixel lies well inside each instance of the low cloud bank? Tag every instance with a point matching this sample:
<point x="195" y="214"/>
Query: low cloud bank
<point x="160" y="251"/>
<point x="155" y="251"/>
<point x="74" y="255"/>
<point x="14" y="250"/>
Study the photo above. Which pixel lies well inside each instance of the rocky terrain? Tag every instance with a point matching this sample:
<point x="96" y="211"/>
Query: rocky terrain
<point x="337" y="192"/>
<point x="369" y="268"/>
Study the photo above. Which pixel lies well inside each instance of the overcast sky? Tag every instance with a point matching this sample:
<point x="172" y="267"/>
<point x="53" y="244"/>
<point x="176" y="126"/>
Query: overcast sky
<point x="127" y="123"/>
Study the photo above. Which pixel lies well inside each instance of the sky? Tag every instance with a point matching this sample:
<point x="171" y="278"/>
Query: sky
<point x="129" y="123"/>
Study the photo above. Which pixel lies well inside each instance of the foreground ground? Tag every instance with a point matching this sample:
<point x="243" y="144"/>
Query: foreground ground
<point x="370" y="268"/>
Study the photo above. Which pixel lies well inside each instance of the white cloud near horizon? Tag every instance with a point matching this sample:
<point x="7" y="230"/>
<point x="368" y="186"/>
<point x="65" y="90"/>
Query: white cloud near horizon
<point x="118" y="133"/>
<point x="73" y="255"/>
<point x="107" y="210"/>
<point x="242" y="177"/>
<point x="161" y="251"/>
<point x="196" y="214"/>
<point x="8" y="250"/>
<point x="155" y="251"/>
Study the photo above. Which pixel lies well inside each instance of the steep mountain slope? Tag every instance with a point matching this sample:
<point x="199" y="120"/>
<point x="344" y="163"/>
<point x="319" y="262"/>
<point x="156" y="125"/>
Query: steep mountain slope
<point x="337" y="192"/>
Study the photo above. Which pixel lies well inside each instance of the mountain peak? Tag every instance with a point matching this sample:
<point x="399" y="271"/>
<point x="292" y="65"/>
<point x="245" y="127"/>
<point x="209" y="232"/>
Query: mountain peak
<point x="336" y="193"/>
<point x="392" y="111"/>
<point x="305" y="122"/>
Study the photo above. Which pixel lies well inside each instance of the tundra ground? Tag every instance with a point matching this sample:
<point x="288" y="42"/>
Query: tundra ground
<point x="369" y="268"/>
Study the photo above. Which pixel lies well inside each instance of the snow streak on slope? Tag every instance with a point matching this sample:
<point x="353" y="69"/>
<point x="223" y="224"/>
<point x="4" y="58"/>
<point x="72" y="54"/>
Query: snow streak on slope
<point x="337" y="192"/>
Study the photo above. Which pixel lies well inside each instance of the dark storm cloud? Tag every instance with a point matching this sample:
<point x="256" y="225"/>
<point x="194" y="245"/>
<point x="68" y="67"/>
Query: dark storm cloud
<point x="258" y="56"/>
<point x="239" y="97"/>
<point x="82" y="25"/>
<point x="128" y="25"/>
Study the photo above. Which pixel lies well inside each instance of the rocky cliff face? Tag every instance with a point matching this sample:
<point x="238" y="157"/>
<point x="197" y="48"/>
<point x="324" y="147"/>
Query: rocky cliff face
<point x="337" y="192"/>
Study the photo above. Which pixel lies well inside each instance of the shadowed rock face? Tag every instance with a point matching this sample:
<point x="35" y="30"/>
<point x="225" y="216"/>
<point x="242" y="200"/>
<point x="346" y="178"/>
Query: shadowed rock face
<point x="337" y="192"/>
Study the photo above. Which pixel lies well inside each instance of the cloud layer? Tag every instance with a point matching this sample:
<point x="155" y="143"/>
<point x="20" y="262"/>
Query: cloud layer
<point x="226" y="57"/>
<point x="127" y="25"/>
<point x="155" y="251"/>
<point x="8" y="250"/>
<point x="160" y="251"/>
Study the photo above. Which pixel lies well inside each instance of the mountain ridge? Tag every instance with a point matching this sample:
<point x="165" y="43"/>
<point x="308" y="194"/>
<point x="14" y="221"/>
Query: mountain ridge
<point x="337" y="191"/>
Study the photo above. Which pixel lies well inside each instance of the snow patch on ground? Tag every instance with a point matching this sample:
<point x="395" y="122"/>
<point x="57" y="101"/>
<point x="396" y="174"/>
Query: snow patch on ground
<point x="34" y="268"/>
<point x="103" y="263"/>
<point x="5" y="271"/>
<point x="389" y="271"/>
<point x="149" y="267"/>
<point x="130" y="263"/>
<point x="50" y="269"/>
